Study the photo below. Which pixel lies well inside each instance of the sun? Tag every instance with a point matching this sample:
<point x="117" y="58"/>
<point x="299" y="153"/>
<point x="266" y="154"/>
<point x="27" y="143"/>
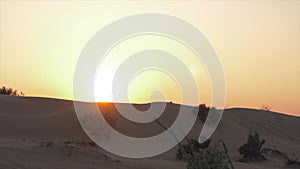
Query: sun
<point x="143" y="85"/>
<point x="103" y="86"/>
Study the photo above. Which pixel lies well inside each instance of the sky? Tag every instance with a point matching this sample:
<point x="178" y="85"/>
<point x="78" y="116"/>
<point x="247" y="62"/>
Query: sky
<point x="257" y="43"/>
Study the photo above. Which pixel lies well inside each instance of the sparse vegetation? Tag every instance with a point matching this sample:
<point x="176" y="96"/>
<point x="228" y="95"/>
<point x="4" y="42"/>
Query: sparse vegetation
<point x="210" y="157"/>
<point x="188" y="148"/>
<point x="10" y="91"/>
<point x="202" y="156"/>
<point x="252" y="150"/>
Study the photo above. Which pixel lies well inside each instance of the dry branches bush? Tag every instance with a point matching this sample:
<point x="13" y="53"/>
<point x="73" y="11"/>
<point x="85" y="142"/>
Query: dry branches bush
<point x="202" y="156"/>
<point x="253" y="149"/>
<point x="211" y="158"/>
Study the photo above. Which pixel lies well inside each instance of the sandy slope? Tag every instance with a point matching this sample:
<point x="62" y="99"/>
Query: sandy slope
<point x="25" y="122"/>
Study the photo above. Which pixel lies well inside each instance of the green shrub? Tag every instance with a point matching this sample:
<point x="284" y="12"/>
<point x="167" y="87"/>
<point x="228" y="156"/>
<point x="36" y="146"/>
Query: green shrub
<point x="252" y="150"/>
<point x="188" y="147"/>
<point x="201" y="156"/>
<point x="211" y="158"/>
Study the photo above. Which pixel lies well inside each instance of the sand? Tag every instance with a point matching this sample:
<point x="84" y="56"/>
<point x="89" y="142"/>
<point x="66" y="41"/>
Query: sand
<point x="43" y="133"/>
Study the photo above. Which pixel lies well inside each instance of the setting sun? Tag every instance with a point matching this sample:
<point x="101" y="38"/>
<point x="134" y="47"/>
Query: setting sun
<point x="147" y="81"/>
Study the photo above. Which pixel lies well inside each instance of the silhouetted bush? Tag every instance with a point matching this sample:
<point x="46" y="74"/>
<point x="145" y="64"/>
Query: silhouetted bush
<point x="188" y="147"/>
<point x="10" y="91"/>
<point x="211" y="158"/>
<point x="252" y="150"/>
<point x="203" y="112"/>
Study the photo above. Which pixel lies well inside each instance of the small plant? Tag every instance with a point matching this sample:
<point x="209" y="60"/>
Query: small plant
<point x="252" y="150"/>
<point x="188" y="148"/>
<point x="266" y="108"/>
<point x="210" y="157"/>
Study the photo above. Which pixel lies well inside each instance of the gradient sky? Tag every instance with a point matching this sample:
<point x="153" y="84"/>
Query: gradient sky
<point x="257" y="43"/>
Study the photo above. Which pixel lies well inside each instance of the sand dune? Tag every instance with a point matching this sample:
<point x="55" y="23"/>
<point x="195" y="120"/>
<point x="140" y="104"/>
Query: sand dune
<point x="28" y="124"/>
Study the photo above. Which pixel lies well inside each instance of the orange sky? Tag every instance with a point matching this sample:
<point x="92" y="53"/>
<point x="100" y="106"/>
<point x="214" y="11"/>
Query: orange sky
<point x="257" y="43"/>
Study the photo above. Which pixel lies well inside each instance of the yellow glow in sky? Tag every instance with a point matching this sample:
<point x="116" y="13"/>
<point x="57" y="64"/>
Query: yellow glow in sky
<point x="257" y="42"/>
<point x="149" y="80"/>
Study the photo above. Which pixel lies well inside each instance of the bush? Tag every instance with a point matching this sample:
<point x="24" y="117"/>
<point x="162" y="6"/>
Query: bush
<point x="252" y="150"/>
<point x="10" y="91"/>
<point x="196" y="146"/>
<point x="203" y="112"/>
<point x="201" y="156"/>
<point x="211" y="158"/>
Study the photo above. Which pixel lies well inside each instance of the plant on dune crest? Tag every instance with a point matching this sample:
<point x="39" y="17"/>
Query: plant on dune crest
<point x="252" y="150"/>
<point x="266" y="108"/>
<point x="10" y="91"/>
<point x="203" y="112"/>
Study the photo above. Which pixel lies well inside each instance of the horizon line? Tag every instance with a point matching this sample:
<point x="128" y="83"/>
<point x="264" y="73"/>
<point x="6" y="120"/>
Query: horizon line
<point x="109" y="102"/>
